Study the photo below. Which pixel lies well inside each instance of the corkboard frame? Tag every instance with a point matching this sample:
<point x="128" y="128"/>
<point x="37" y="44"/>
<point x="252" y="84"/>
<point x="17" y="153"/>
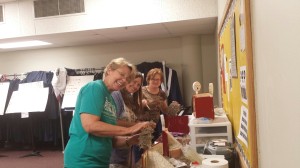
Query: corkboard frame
<point x="247" y="154"/>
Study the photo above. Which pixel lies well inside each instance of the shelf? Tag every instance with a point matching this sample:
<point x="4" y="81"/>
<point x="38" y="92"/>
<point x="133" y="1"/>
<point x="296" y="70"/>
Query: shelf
<point x="210" y="130"/>
<point x="211" y="135"/>
<point x="200" y="133"/>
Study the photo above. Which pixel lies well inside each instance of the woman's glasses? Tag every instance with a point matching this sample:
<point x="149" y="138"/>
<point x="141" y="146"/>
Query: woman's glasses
<point x="156" y="79"/>
<point x="122" y="74"/>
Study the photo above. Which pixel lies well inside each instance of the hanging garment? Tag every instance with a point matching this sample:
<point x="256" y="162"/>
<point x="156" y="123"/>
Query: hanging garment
<point x="59" y="82"/>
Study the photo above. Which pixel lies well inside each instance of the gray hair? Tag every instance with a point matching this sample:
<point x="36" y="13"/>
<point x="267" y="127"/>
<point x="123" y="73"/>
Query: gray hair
<point x="120" y="62"/>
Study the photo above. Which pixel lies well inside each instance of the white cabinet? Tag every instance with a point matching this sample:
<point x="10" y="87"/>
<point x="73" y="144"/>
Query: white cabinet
<point x="200" y="133"/>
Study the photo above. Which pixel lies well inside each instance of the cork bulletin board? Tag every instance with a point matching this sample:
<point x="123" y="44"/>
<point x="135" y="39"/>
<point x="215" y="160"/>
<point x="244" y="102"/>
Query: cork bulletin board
<point x="237" y="78"/>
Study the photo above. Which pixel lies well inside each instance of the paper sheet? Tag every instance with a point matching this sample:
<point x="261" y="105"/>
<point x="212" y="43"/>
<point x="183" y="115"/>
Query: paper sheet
<point x="28" y="100"/>
<point x="74" y="84"/>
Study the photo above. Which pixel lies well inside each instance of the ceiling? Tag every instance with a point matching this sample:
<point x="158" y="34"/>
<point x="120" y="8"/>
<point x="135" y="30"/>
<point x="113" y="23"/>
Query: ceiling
<point x="122" y="34"/>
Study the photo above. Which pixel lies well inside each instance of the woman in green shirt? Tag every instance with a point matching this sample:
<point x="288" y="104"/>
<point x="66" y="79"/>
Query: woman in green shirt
<point x="93" y="130"/>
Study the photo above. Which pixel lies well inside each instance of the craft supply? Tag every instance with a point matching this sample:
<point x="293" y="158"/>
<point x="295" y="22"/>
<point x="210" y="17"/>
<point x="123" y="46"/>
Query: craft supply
<point x="155" y="160"/>
<point x="145" y="138"/>
<point x="173" y="109"/>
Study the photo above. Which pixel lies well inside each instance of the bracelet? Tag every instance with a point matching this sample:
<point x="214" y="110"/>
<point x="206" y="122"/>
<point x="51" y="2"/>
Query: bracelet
<point x="126" y="141"/>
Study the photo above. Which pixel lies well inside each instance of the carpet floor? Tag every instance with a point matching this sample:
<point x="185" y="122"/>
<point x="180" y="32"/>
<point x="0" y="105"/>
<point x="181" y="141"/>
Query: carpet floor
<point x="29" y="159"/>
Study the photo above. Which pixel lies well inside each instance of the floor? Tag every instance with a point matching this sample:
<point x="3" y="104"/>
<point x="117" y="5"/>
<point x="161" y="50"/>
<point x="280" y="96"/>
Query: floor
<point x="29" y="159"/>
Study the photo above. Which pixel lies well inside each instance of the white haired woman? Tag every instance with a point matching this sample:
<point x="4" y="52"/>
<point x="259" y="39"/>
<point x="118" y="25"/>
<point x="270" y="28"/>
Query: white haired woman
<point x="93" y="130"/>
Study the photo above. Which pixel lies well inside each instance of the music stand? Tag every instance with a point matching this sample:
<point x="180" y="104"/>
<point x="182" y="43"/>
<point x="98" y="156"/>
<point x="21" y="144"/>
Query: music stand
<point x="6" y="137"/>
<point x="40" y="95"/>
<point x="34" y="152"/>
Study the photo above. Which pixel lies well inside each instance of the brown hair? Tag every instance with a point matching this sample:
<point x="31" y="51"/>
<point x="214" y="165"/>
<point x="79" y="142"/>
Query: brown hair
<point x="153" y="72"/>
<point x="136" y="102"/>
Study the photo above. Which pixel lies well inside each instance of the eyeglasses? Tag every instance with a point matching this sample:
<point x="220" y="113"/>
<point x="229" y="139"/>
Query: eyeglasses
<point x="122" y="74"/>
<point x="157" y="79"/>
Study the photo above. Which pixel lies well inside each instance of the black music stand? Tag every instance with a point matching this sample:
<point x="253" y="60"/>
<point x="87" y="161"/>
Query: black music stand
<point x="34" y="151"/>
<point x="4" y="142"/>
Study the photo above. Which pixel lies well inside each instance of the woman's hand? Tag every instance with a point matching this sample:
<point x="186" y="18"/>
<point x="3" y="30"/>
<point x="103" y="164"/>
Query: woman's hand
<point x="125" y="141"/>
<point x="146" y="104"/>
<point x="132" y="140"/>
<point x="139" y="126"/>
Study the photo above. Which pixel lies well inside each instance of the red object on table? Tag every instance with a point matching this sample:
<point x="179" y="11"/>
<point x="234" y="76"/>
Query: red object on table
<point x="165" y="144"/>
<point x="203" y="105"/>
<point x="177" y="124"/>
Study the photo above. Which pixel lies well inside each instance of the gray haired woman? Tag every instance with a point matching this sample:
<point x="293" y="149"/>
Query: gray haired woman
<point x="93" y="130"/>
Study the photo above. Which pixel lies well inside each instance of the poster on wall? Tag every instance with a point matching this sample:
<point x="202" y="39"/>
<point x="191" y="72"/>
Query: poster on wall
<point x="3" y="95"/>
<point x="233" y="52"/>
<point x="243" y="133"/>
<point x="230" y="76"/>
<point x="242" y="26"/>
<point x="223" y="68"/>
<point x="243" y="85"/>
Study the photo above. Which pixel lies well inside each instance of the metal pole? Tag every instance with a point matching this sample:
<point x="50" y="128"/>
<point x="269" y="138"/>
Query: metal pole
<point x="61" y="125"/>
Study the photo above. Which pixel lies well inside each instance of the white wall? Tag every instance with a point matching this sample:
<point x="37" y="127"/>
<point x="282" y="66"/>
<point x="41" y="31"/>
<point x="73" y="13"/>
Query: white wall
<point x="171" y="50"/>
<point x="191" y="64"/>
<point x="275" y="32"/>
<point x="92" y="56"/>
<point x="209" y="52"/>
<point x="221" y="10"/>
<point x="275" y="36"/>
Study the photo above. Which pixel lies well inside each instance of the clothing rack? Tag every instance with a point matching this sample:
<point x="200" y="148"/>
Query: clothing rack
<point x="83" y="71"/>
<point x="87" y="71"/>
<point x="3" y="77"/>
<point x="15" y="74"/>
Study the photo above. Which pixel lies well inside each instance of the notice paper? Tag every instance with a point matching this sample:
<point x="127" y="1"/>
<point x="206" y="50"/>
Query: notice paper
<point x="74" y="84"/>
<point x="243" y="133"/>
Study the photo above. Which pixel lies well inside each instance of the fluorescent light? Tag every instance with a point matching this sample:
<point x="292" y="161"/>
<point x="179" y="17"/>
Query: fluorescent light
<point x="23" y="44"/>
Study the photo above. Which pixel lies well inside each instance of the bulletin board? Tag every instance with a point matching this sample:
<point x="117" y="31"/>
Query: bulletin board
<point x="237" y="78"/>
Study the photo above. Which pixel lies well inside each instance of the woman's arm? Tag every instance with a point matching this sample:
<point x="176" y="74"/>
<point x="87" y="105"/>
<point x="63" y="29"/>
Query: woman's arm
<point x="93" y="125"/>
<point x="164" y="106"/>
<point x="125" y="123"/>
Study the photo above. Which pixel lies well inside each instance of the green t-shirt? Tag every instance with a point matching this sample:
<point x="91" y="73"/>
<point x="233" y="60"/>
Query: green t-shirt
<point x="84" y="149"/>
